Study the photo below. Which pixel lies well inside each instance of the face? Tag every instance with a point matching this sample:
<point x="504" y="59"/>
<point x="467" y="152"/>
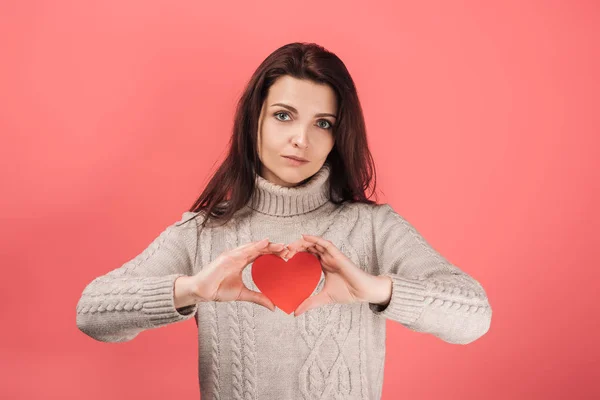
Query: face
<point x="296" y="119"/>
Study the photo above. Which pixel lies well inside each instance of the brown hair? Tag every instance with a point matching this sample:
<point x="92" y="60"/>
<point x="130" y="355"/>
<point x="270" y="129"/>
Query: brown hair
<point x="351" y="163"/>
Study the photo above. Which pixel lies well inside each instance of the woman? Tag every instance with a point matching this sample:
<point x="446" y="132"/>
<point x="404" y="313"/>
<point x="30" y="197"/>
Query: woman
<point x="301" y="102"/>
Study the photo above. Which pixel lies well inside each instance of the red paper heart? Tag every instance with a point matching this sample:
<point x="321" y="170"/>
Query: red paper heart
<point x="287" y="284"/>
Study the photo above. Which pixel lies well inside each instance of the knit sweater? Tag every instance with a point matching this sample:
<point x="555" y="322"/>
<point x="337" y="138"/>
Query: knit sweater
<point x="246" y="351"/>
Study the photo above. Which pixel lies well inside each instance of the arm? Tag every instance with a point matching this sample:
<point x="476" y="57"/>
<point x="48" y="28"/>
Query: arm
<point x="140" y="294"/>
<point x="428" y="293"/>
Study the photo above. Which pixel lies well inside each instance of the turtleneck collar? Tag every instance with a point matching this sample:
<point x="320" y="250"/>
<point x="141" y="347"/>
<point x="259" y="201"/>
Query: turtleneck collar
<point x="272" y="199"/>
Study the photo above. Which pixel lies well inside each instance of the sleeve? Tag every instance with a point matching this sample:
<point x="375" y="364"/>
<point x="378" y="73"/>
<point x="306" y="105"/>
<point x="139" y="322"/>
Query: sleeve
<point x="139" y="295"/>
<point x="429" y="294"/>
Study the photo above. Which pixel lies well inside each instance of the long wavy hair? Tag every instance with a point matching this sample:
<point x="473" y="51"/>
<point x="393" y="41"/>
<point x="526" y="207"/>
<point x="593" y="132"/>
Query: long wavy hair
<point x="352" y="168"/>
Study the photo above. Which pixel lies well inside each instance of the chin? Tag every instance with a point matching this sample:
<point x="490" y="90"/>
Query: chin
<point x="293" y="179"/>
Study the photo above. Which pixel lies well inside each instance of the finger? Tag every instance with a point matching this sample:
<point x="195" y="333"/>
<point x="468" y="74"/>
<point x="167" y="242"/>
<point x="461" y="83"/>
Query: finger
<point x="314" y="252"/>
<point x="250" y="247"/>
<point x="316" y="248"/>
<point x="252" y="256"/>
<point x="318" y="300"/>
<point x="265" y="244"/>
<point x="298" y="244"/>
<point x="259" y="243"/>
<point x="253" y="252"/>
<point x="243" y="254"/>
<point x="321" y="244"/>
<point x="298" y="248"/>
<point x="256" y="297"/>
<point x="279" y="247"/>
<point x="275" y="248"/>
<point x="284" y="254"/>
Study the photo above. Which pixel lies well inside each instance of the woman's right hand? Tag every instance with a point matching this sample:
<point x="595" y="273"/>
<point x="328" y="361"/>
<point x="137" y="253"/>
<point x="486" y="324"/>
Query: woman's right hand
<point x="221" y="280"/>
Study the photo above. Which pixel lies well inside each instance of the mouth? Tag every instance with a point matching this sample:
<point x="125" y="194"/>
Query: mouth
<point x="294" y="162"/>
<point x="296" y="158"/>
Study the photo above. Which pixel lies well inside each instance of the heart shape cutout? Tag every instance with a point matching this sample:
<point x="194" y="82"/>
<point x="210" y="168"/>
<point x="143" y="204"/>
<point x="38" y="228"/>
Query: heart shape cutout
<point x="287" y="283"/>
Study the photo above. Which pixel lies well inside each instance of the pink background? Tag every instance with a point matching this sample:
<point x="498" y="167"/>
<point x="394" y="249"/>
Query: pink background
<point x="482" y="118"/>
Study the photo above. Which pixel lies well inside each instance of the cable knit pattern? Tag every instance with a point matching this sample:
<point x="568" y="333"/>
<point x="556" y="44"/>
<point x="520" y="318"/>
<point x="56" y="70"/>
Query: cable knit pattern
<point x="429" y="294"/>
<point x="247" y="352"/>
<point x="119" y="305"/>
<point x="365" y="226"/>
<point x="237" y="357"/>
<point x="206" y="240"/>
<point x="247" y="319"/>
<point x="330" y="379"/>
<point x="313" y="372"/>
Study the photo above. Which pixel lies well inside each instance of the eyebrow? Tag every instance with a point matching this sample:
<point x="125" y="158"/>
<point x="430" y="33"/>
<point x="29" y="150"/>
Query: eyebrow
<point x="292" y="109"/>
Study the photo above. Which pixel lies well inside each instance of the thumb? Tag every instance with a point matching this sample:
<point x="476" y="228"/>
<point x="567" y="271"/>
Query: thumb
<point x="318" y="300"/>
<point x="256" y="297"/>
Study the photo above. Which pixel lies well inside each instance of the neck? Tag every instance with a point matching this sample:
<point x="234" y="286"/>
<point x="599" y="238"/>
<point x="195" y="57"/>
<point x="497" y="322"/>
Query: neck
<point x="273" y="199"/>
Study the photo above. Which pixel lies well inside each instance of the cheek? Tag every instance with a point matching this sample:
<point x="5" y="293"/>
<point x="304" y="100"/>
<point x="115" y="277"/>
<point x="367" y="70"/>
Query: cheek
<point x="324" y="143"/>
<point x="272" y="137"/>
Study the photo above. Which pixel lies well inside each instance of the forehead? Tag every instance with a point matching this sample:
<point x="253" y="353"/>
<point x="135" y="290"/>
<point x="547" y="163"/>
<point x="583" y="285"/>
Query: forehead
<point x="302" y="94"/>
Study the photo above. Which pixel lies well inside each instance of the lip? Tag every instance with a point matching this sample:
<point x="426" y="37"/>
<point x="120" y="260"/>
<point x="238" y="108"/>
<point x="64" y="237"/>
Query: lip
<point x="292" y="162"/>
<point x="296" y="158"/>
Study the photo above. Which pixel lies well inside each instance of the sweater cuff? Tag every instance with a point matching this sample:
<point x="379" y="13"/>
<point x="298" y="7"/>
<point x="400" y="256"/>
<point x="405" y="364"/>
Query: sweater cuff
<point x="158" y="301"/>
<point x="407" y="301"/>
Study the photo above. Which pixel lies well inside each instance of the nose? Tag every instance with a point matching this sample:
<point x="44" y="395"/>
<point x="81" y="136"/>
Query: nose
<point x="301" y="138"/>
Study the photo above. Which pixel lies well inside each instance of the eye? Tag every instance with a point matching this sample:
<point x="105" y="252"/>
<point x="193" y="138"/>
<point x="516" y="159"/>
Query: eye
<point x="280" y="113"/>
<point x="329" y="126"/>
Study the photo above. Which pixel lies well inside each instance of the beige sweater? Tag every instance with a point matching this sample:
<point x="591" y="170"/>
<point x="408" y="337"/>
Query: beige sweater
<point x="331" y="352"/>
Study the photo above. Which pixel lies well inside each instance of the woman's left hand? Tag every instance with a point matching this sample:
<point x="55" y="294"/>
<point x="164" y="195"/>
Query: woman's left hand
<point x="344" y="281"/>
